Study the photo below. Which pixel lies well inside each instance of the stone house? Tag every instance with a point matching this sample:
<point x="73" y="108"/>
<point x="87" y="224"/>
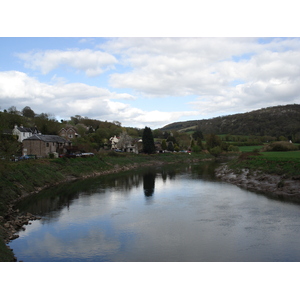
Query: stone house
<point x="69" y="133"/>
<point x="43" y="145"/>
<point x="24" y="132"/>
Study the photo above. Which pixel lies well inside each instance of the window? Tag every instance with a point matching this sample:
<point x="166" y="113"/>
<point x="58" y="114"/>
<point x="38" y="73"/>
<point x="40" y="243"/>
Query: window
<point x="47" y="144"/>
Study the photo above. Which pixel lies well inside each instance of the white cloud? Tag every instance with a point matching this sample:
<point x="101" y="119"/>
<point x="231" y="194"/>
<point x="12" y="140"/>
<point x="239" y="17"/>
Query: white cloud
<point x="66" y="100"/>
<point x="91" y="62"/>
<point x="268" y="71"/>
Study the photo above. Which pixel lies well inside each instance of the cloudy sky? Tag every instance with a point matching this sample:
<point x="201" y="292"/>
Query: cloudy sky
<point x="151" y="65"/>
<point x="148" y="81"/>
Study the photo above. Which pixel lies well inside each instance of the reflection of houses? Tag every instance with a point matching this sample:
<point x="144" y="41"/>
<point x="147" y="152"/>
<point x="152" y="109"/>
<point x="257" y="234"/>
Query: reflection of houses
<point x="42" y="145"/>
<point x="69" y="133"/>
<point x="24" y="132"/>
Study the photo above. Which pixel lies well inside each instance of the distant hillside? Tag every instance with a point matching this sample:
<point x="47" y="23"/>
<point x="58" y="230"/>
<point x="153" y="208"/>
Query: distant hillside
<point x="271" y="121"/>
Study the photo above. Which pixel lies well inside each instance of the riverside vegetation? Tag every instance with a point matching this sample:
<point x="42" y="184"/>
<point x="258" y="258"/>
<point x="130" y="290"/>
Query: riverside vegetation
<point x="20" y="179"/>
<point x="275" y="168"/>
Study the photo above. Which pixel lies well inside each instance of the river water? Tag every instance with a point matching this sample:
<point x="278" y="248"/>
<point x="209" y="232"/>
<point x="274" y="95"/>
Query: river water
<point x="159" y="214"/>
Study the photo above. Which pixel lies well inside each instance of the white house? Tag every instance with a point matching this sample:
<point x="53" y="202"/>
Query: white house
<point x="24" y="132"/>
<point x="114" y="141"/>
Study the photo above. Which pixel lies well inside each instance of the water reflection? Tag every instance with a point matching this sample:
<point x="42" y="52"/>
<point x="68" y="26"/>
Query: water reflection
<point x="192" y="217"/>
<point x="149" y="184"/>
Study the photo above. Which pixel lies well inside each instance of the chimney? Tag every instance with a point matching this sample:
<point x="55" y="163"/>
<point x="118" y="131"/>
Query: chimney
<point x="21" y="125"/>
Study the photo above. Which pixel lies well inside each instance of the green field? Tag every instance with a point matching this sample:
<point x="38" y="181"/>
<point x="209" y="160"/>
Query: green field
<point x="249" y="148"/>
<point x="282" y="155"/>
<point x="281" y="163"/>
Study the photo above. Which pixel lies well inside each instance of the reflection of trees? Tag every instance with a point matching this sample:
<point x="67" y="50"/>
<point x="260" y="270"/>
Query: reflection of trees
<point x="149" y="183"/>
<point x="52" y="201"/>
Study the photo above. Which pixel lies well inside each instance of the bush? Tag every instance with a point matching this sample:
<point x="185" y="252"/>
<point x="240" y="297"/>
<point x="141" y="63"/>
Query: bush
<point x="113" y="153"/>
<point x="233" y="148"/>
<point x="280" y="146"/>
<point x="196" y="149"/>
<point x="215" y="151"/>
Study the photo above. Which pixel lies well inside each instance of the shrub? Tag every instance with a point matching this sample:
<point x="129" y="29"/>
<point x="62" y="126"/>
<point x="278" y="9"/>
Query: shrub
<point x="215" y="151"/>
<point x="196" y="149"/>
<point x="280" y="146"/>
<point x="233" y="148"/>
<point x="113" y="153"/>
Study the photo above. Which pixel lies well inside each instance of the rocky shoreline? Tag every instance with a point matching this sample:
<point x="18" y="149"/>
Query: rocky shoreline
<point x="13" y="223"/>
<point x="261" y="182"/>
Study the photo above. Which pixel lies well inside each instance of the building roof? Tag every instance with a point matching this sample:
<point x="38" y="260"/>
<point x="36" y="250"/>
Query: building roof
<point x="47" y="138"/>
<point x="24" y="129"/>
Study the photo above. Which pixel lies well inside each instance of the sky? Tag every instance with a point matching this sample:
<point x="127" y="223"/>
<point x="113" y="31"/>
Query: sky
<point x="146" y="80"/>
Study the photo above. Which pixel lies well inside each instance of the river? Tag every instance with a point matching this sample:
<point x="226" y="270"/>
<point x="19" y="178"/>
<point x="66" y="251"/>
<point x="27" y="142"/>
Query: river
<point x="159" y="214"/>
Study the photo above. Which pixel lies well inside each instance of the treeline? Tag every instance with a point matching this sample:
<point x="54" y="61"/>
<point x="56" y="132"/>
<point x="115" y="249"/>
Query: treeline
<point x="272" y="121"/>
<point x="93" y="134"/>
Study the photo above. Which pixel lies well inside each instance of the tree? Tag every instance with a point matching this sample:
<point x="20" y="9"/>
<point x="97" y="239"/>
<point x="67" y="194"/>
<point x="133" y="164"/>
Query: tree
<point x="148" y="141"/>
<point x="13" y="110"/>
<point x="9" y="146"/>
<point x="170" y="146"/>
<point x="163" y="145"/>
<point x="212" y="141"/>
<point x="197" y="135"/>
<point x="199" y="143"/>
<point x="28" y="112"/>
<point x="215" y="151"/>
<point x="117" y="123"/>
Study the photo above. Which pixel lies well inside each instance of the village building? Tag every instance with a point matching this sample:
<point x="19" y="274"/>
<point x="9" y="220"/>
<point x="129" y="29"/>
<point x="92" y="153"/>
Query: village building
<point x="43" y="145"/>
<point x="125" y="143"/>
<point x="114" y="142"/>
<point x="24" y="132"/>
<point x="69" y="133"/>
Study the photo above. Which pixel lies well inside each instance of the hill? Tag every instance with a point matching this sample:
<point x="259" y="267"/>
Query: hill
<point x="271" y="121"/>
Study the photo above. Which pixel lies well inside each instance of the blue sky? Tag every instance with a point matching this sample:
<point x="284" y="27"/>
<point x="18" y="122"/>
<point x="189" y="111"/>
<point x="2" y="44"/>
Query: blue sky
<point x="148" y="81"/>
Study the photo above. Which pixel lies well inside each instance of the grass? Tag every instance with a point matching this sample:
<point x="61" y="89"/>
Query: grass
<point x="282" y="155"/>
<point x="279" y="163"/>
<point x="249" y="148"/>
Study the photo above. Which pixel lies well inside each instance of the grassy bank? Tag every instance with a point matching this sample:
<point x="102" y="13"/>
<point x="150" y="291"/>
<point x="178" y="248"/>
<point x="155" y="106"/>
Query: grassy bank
<point x="279" y="163"/>
<point x="19" y="179"/>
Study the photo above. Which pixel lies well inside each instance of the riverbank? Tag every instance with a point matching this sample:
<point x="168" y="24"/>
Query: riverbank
<point x="271" y="173"/>
<point x="21" y="179"/>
